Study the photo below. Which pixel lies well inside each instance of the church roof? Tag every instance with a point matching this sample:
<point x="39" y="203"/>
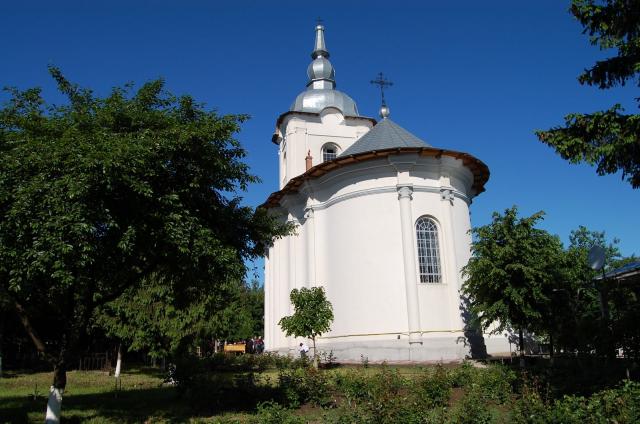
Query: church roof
<point x="479" y="170"/>
<point x="385" y="135"/>
<point x="321" y="90"/>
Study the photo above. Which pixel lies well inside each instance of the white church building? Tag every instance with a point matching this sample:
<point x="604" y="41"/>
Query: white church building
<point x="382" y="223"/>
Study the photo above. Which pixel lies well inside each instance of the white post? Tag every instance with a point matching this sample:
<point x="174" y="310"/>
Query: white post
<point x="54" y="405"/>
<point x="406" y="220"/>
<point x="118" y="362"/>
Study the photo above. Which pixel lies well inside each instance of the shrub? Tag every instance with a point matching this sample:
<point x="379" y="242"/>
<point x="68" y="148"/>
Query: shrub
<point x="495" y="383"/>
<point x="273" y="413"/>
<point x="433" y="388"/>
<point x="463" y="375"/>
<point x="529" y="408"/>
<point x="302" y="385"/>
<point x="620" y="405"/>
<point x="353" y="384"/>
<point x="472" y="409"/>
<point x="327" y="359"/>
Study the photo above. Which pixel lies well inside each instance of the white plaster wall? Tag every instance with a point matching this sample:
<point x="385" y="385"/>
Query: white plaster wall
<point x="363" y="273"/>
<point x="356" y="237"/>
<point x="304" y="133"/>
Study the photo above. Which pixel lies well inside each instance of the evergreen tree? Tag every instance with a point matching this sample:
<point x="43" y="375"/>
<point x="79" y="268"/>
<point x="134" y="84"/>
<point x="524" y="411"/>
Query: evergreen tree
<point x="609" y="139"/>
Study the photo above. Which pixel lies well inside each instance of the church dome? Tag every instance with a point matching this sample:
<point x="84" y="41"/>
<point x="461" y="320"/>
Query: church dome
<point x="315" y="100"/>
<point x="321" y="90"/>
<point x="321" y="68"/>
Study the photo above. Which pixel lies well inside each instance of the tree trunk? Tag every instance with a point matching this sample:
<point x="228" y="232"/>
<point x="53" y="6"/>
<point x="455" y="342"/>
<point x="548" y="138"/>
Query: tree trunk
<point x="116" y="374"/>
<point x="521" y="341"/>
<point x="315" y="354"/>
<point x="54" y="403"/>
<point x="551" y="347"/>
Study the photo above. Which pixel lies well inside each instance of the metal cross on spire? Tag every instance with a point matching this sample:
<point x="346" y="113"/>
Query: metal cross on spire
<point x="383" y="82"/>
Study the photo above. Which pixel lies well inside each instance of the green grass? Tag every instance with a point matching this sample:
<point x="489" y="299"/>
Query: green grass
<point x="91" y="397"/>
<point x="451" y="394"/>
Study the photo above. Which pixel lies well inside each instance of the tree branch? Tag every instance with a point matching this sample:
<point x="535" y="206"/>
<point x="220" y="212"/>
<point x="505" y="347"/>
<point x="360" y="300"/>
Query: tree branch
<point x="24" y="318"/>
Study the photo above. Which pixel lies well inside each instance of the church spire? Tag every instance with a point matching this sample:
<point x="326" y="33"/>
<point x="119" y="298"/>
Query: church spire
<point x="320" y="48"/>
<point x="320" y="71"/>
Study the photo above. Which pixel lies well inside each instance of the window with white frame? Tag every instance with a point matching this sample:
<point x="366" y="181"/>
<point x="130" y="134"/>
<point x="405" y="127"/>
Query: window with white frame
<point x="329" y="152"/>
<point x="428" y="250"/>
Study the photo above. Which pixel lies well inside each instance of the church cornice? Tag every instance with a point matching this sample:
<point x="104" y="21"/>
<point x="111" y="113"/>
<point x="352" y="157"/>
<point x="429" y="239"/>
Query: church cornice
<point x="478" y="168"/>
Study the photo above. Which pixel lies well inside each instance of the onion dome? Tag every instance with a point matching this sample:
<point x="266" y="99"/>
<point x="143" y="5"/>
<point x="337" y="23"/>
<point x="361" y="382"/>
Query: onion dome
<point x="321" y="90"/>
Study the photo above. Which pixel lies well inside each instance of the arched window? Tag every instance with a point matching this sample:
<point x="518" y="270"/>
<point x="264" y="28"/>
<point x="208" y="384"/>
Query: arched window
<point x="329" y="152"/>
<point x="428" y="250"/>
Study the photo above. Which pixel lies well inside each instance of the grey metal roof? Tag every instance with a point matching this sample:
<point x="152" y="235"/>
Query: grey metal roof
<point x="315" y="100"/>
<point x="385" y="135"/>
<point x="321" y="90"/>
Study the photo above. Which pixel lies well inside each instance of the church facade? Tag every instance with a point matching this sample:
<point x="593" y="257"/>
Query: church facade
<point x="382" y="223"/>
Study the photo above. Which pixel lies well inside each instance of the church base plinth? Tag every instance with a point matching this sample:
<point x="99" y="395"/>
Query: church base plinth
<point x="449" y="347"/>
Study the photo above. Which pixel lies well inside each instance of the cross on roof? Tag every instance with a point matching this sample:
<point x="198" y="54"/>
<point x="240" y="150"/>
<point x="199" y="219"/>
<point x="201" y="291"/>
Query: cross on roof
<point x="383" y="82"/>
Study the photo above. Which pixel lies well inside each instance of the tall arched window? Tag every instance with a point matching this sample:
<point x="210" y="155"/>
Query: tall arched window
<point x="329" y="152"/>
<point x="428" y="250"/>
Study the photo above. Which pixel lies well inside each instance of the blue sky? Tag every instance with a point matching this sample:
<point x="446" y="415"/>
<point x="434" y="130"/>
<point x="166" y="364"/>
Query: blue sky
<point x="477" y="77"/>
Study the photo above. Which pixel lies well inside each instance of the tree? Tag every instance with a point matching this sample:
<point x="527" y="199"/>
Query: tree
<point x="312" y="317"/>
<point x="608" y="139"/>
<point x="579" y="327"/>
<point x="100" y="195"/>
<point x="512" y="272"/>
<point x="241" y="317"/>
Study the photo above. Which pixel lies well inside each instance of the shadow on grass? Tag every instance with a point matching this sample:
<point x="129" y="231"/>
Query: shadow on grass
<point x="216" y="396"/>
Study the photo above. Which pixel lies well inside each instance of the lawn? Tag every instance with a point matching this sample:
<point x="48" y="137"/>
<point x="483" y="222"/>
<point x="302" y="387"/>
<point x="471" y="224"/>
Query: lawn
<point x="92" y="397"/>
<point x="246" y="390"/>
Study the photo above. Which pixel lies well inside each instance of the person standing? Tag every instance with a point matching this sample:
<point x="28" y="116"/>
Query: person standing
<point x="304" y="349"/>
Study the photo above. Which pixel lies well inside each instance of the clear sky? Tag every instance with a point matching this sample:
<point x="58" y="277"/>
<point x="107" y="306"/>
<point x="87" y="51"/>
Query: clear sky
<point x="477" y="77"/>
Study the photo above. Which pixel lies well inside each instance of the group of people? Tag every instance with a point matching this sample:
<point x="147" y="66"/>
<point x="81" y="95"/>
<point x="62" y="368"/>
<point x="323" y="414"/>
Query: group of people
<point x="254" y="345"/>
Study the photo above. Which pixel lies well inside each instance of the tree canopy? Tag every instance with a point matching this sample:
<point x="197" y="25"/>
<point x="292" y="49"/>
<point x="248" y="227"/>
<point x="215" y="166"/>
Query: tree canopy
<point x="512" y="271"/>
<point x="99" y="195"/>
<point x="521" y="278"/>
<point x="609" y="139"/>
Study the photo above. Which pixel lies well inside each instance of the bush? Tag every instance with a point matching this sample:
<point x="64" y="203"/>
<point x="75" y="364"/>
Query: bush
<point x="495" y="383"/>
<point x="433" y="388"/>
<point x="463" y="375"/>
<point x="327" y="359"/>
<point x="353" y="384"/>
<point x="620" y="406"/>
<point x="530" y="408"/>
<point x="303" y="385"/>
<point x="472" y="409"/>
<point x="273" y="413"/>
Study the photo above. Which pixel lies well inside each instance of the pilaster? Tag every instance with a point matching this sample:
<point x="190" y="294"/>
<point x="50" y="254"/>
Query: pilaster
<point x="405" y="192"/>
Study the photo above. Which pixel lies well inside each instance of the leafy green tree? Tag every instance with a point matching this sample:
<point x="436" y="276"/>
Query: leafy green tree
<point x="579" y="325"/>
<point x="312" y="317"/>
<point x="606" y="311"/>
<point x="241" y="317"/>
<point x="101" y="196"/>
<point x="512" y="273"/>
<point x="607" y="139"/>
